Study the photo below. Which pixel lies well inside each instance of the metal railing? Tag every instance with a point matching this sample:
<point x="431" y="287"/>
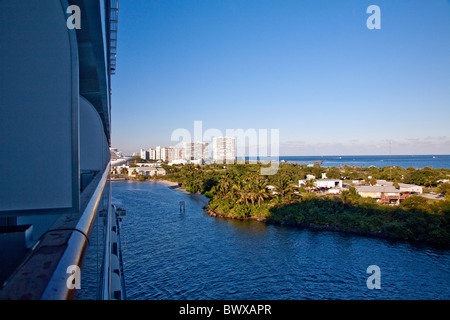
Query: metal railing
<point x="57" y="288"/>
<point x="113" y="29"/>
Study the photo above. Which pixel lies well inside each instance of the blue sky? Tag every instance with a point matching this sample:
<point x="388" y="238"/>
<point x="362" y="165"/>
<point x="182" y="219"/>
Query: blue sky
<point x="311" y="69"/>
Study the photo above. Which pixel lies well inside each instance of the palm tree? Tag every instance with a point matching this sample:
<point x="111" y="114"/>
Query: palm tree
<point x="429" y="182"/>
<point x="261" y="191"/>
<point x="251" y="193"/>
<point x="239" y="193"/>
<point x="350" y="196"/>
<point x="284" y="187"/>
<point x="310" y="184"/>
<point x="224" y="187"/>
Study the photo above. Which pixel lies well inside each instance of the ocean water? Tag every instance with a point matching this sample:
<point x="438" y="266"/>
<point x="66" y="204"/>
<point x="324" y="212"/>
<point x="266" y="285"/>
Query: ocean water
<point x="405" y="161"/>
<point x="189" y="255"/>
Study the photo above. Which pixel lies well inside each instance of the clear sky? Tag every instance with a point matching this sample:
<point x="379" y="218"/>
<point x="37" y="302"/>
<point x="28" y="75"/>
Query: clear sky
<point x="310" y="68"/>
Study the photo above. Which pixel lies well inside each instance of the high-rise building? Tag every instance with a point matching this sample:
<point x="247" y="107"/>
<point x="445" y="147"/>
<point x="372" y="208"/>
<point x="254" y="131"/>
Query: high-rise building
<point x="224" y="149"/>
<point x="175" y="154"/>
<point x="152" y="154"/>
<point x="158" y="153"/>
<point x="164" y="154"/>
<point x="144" y="154"/>
<point x="196" y="150"/>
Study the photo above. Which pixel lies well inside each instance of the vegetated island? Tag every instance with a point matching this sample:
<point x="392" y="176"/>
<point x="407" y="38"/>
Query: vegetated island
<point x="238" y="191"/>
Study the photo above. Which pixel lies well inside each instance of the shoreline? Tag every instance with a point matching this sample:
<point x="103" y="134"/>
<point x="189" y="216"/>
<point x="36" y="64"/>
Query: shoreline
<point x="166" y="182"/>
<point x="311" y="226"/>
<point x="173" y="185"/>
<point x="331" y="228"/>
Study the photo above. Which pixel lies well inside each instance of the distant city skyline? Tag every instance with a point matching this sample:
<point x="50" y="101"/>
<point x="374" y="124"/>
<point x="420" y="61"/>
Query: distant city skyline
<point x="407" y="147"/>
<point x="311" y="69"/>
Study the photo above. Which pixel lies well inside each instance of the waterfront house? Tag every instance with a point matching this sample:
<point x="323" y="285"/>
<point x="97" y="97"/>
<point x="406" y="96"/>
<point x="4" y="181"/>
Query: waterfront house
<point x="146" y="171"/>
<point x="382" y="194"/>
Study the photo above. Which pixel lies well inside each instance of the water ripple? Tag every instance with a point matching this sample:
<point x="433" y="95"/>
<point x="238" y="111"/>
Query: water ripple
<point x="168" y="255"/>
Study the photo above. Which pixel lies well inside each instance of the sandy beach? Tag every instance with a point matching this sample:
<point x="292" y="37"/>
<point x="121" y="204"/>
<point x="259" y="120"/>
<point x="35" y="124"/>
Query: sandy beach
<point x="167" y="182"/>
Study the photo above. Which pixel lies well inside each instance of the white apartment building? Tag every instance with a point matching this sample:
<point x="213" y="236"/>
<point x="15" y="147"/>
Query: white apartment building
<point x="158" y="153"/>
<point x="144" y="154"/>
<point x="195" y="150"/>
<point x="152" y="154"/>
<point x="224" y="149"/>
<point x="175" y="154"/>
<point x="164" y="154"/>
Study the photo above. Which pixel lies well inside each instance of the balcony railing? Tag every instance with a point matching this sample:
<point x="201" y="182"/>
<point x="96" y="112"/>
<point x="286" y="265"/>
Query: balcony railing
<point x="113" y="28"/>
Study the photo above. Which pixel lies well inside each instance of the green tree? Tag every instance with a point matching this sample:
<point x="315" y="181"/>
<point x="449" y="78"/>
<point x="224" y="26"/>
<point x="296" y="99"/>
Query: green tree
<point x="415" y="204"/>
<point x="350" y="196"/>
<point x="334" y="173"/>
<point x="261" y="191"/>
<point x="284" y="187"/>
<point x="310" y="184"/>
<point x="444" y="188"/>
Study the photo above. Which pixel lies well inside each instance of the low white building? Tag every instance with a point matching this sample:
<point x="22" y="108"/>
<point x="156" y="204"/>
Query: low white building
<point x="179" y="161"/>
<point x="377" y="191"/>
<point x="197" y="161"/>
<point x="161" y="171"/>
<point x="140" y="171"/>
<point x="148" y="164"/>
<point x="144" y="171"/>
<point x="384" y="183"/>
<point x="324" y="183"/>
<point x="404" y="187"/>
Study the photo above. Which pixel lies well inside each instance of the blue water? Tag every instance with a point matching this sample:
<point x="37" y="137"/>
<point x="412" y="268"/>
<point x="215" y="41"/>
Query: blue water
<point x="405" y="161"/>
<point x="173" y="255"/>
